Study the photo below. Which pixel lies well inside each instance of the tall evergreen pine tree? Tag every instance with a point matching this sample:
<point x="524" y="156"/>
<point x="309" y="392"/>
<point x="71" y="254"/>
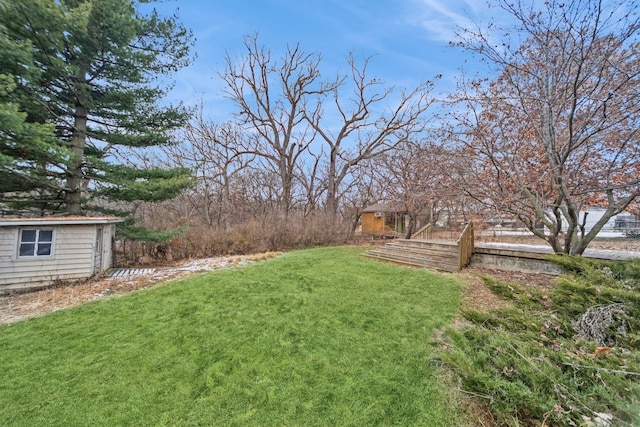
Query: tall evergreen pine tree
<point x="80" y="80"/>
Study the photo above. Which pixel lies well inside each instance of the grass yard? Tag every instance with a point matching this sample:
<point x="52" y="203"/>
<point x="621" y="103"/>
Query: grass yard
<point x="313" y="337"/>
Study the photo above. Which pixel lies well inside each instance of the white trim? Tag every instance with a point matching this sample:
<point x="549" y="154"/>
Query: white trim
<point x="98" y="238"/>
<point x="52" y="221"/>
<point x="35" y="257"/>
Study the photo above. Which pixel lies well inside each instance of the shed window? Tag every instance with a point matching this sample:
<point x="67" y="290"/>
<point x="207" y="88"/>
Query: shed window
<point x="35" y="242"/>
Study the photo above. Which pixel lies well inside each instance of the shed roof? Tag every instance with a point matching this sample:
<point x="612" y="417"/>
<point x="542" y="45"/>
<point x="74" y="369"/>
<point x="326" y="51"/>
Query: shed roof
<point x="59" y="220"/>
<point x="382" y="207"/>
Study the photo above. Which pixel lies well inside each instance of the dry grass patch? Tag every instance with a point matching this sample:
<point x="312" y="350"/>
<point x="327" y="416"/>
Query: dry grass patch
<point x="18" y="306"/>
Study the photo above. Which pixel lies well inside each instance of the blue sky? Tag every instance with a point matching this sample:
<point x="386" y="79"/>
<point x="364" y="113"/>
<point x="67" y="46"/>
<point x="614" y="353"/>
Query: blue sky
<point x="408" y="38"/>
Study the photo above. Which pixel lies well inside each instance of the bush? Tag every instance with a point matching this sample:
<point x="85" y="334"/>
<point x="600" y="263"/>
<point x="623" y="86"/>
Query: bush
<point x="201" y="240"/>
<point x="632" y="234"/>
<point x="533" y="366"/>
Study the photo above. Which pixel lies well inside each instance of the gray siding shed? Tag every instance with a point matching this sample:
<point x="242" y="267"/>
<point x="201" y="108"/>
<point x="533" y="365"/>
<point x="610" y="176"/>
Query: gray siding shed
<point x="37" y="252"/>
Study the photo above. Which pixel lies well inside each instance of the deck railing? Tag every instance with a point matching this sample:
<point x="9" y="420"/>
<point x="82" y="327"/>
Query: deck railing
<point x="465" y="246"/>
<point x="424" y="233"/>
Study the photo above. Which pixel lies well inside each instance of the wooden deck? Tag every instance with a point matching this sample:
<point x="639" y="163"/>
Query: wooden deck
<point x="443" y="255"/>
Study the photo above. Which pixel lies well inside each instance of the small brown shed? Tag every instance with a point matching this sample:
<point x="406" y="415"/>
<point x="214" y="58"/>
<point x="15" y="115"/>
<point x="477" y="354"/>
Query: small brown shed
<point x="384" y="220"/>
<point x="36" y="252"/>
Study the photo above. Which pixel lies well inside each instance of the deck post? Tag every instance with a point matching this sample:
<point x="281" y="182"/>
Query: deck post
<point x="466" y="246"/>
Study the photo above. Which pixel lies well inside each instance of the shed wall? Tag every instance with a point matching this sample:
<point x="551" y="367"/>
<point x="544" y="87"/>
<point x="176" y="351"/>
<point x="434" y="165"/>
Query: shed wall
<point x="371" y="224"/>
<point x="73" y="257"/>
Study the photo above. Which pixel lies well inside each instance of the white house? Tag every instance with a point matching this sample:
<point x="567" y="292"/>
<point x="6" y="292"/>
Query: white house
<point x="36" y="252"/>
<point x="594" y="215"/>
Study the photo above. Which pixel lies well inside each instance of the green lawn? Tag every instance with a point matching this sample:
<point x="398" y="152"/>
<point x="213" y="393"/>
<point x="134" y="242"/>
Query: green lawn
<point x="313" y="337"/>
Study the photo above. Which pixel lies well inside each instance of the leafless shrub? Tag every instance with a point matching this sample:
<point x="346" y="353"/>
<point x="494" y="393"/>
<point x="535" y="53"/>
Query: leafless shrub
<point x="604" y="324"/>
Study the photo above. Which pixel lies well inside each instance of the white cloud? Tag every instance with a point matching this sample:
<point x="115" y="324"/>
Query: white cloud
<point x="442" y="18"/>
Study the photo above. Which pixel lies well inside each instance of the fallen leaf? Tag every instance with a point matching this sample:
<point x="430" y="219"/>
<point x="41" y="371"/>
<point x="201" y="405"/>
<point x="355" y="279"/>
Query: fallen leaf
<point x="602" y="351"/>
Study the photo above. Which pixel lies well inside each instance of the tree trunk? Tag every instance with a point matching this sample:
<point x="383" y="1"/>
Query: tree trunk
<point x="411" y="226"/>
<point x="332" y="192"/>
<point x="73" y="199"/>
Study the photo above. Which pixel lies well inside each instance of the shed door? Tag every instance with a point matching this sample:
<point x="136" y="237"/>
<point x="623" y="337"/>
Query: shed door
<point x="97" y="260"/>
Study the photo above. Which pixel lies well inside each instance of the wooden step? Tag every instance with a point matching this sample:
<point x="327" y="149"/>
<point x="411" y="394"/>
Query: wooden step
<point x="445" y="249"/>
<point x="439" y="255"/>
<point x="440" y="244"/>
<point x="419" y="253"/>
<point x="449" y="265"/>
<point x="432" y="254"/>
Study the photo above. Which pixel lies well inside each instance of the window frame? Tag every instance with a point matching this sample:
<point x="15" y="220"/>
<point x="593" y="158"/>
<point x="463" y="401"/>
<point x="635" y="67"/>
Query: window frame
<point x="37" y="242"/>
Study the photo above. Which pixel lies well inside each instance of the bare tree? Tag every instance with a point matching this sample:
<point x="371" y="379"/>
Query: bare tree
<point x="217" y="155"/>
<point x="272" y="96"/>
<point x="312" y="182"/>
<point x="419" y="174"/>
<point x="364" y="190"/>
<point x="370" y="122"/>
<point x="557" y="131"/>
